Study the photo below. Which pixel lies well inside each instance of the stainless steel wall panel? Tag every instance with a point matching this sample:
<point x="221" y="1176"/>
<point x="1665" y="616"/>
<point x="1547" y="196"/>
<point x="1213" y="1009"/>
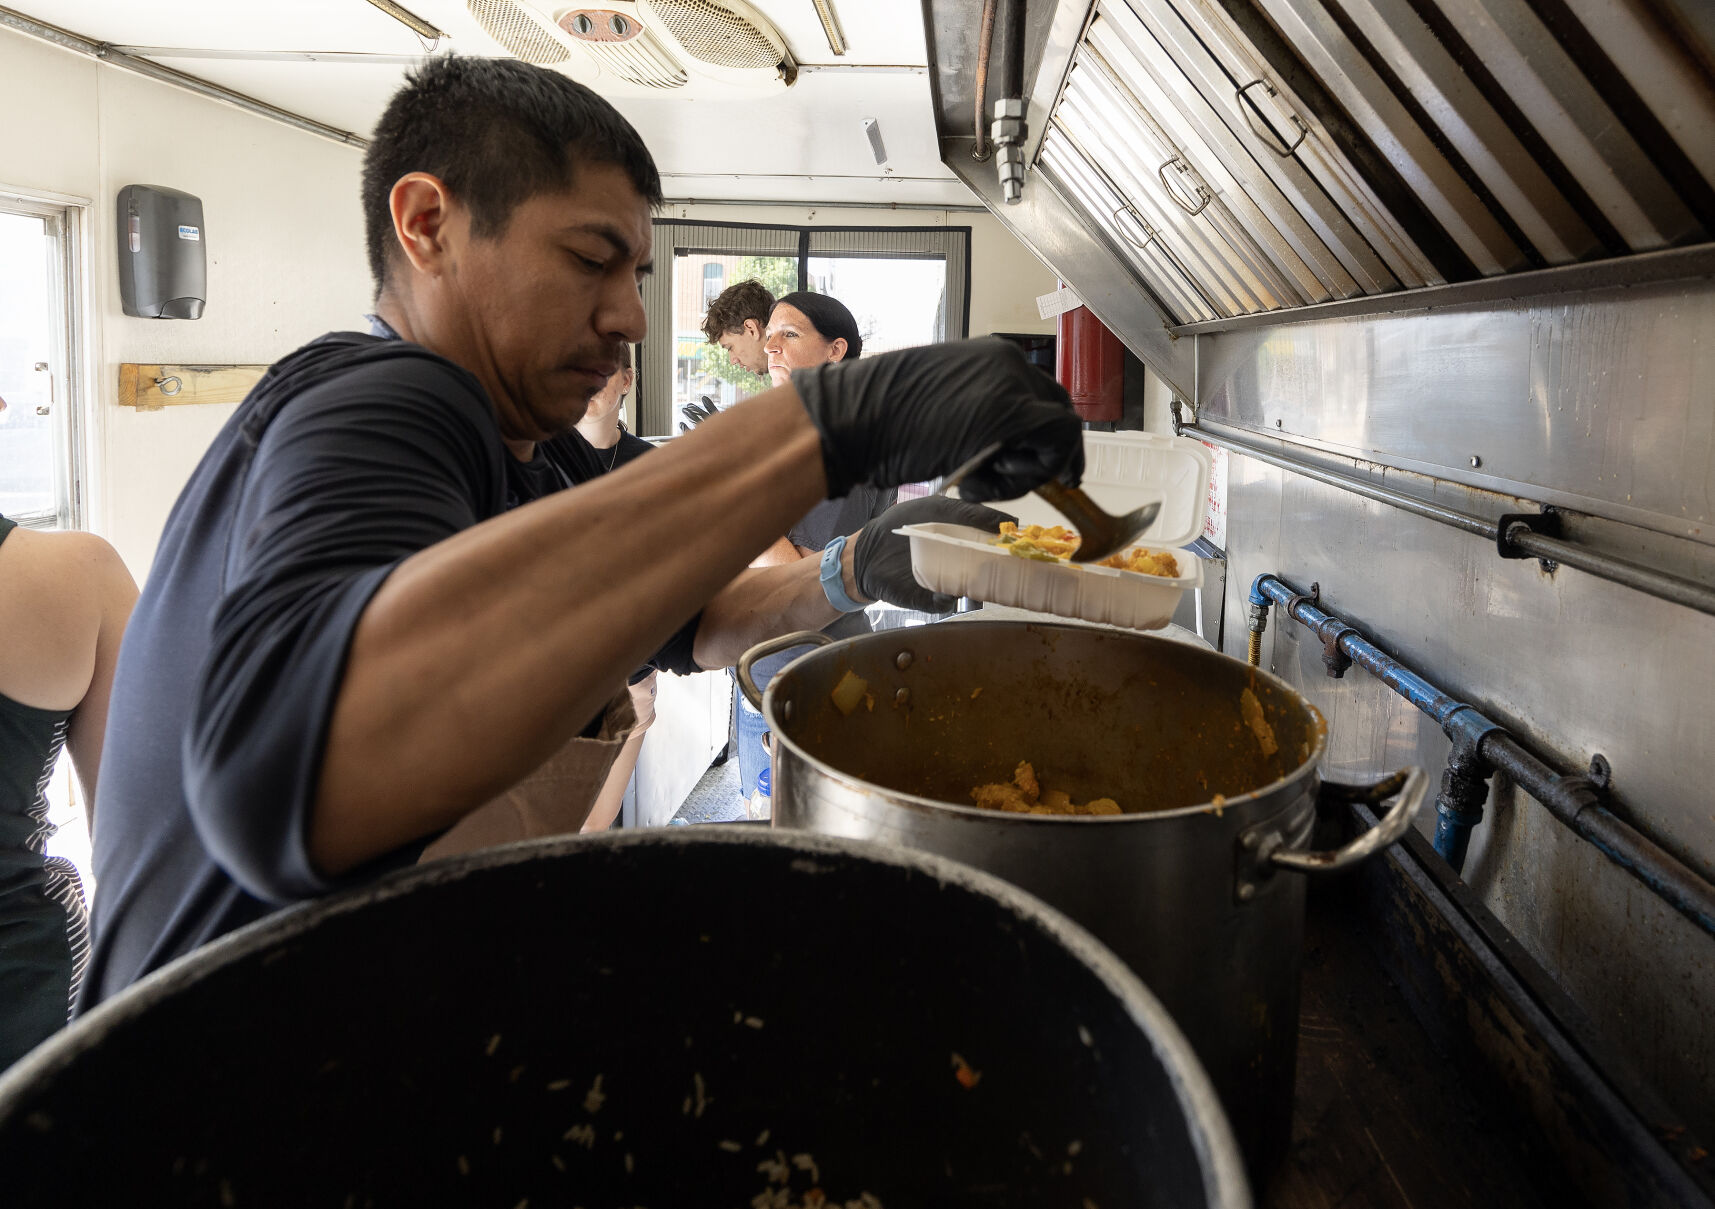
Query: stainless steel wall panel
<point x="1470" y="124"/>
<point x="1389" y="124"/>
<point x="1599" y="401"/>
<point x="1590" y="385"/>
<point x="1568" y="113"/>
<point x="1577" y="666"/>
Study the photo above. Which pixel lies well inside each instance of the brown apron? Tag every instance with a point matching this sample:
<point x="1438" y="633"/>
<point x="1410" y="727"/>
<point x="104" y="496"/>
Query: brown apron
<point x="553" y="800"/>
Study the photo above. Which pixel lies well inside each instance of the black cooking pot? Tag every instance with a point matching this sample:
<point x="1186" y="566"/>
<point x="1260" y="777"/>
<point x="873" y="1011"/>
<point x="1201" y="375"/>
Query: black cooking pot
<point x="659" y="1018"/>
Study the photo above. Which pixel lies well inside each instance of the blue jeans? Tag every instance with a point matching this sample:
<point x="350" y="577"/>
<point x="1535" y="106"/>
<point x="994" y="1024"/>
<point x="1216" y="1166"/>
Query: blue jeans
<point x="752" y="754"/>
<point x="752" y="728"/>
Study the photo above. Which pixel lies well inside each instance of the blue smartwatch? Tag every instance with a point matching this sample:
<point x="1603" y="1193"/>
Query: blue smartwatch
<point x="833" y="583"/>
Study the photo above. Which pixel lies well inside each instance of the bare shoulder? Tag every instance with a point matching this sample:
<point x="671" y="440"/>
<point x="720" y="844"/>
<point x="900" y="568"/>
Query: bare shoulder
<point x="57" y="590"/>
<point x="60" y="563"/>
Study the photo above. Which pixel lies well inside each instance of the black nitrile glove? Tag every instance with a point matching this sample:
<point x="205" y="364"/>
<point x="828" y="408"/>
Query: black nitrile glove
<point x="881" y="559"/>
<point x="916" y="414"/>
<point x="696" y="415"/>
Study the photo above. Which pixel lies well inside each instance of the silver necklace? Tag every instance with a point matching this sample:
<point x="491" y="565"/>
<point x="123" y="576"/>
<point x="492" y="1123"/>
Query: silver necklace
<point x="613" y="450"/>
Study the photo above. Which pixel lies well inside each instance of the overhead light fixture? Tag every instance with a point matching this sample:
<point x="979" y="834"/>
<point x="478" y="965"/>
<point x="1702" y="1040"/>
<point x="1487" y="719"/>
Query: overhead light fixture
<point x="872" y="129"/>
<point x="830" y="26"/>
<point x="410" y="20"/>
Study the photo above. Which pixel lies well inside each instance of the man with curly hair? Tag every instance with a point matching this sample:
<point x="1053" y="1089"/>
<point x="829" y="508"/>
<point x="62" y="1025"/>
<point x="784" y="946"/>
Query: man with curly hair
<point x="738" y="321"/>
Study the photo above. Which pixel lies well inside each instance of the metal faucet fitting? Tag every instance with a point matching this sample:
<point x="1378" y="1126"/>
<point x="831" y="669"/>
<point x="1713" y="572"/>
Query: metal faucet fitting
<point x="1008" y="133"/>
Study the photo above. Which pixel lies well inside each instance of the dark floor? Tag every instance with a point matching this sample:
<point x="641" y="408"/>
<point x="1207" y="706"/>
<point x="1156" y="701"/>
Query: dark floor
<point x="1380" y="1120"/>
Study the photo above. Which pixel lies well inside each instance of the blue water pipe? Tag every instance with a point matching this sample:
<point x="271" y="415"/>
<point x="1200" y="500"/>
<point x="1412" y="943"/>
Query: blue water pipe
<point x="1465" y="782"/>
<point x="1480" y="746"/>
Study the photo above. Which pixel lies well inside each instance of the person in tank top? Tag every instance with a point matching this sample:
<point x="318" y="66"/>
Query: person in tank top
<point x="64" y="600"/>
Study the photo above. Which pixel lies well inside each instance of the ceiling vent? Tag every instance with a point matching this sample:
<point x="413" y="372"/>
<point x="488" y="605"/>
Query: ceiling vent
<point x="722" y="35"/>
<point x="516" y="27"/>
<point x="623" y="46"/>
<point x="654" y="43"/>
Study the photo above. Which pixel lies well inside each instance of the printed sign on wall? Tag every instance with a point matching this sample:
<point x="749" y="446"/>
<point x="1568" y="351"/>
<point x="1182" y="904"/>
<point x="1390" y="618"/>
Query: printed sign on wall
<point x="1215" y="519"/>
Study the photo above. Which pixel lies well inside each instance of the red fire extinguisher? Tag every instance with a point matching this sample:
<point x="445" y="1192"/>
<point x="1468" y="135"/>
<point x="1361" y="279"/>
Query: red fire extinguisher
<point x="1090" y="364"/>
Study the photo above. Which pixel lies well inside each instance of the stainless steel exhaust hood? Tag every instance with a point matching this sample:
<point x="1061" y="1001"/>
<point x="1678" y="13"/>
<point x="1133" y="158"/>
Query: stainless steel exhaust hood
<point x="1434" y="269"/>
<point x="1238" y="157"/>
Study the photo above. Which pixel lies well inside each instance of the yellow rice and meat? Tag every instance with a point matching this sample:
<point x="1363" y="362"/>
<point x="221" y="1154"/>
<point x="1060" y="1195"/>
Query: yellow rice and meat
<point x="1056" y="543"/>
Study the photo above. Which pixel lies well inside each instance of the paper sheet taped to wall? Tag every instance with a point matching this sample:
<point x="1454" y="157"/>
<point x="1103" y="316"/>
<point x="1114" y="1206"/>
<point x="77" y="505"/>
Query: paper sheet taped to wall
<point x="1050" y="306"/>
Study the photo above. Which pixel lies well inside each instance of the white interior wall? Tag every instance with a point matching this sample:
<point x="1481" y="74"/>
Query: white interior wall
<point x="1006" y="277"/>
<point x="285" y="253"/>
<point x="285" y="247"/>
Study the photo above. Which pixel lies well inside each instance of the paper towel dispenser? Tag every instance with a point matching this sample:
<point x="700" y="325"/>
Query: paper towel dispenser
<point x="163" y="267"/>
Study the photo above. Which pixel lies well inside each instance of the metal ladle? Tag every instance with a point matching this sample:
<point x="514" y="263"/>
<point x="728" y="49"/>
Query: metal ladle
<point x="1099" y="534"/>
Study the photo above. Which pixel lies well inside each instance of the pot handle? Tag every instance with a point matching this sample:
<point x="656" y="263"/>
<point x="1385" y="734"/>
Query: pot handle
<point x="746" y="685"/>
<point x="1412" y="786"/>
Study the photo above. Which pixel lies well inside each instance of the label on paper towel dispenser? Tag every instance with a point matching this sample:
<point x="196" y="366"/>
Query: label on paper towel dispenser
<point x="189" y="232"/>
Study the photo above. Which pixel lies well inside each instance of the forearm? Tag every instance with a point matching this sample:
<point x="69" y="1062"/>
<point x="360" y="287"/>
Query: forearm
<point x="764" y="602"/>
<point x="481" y="655"/>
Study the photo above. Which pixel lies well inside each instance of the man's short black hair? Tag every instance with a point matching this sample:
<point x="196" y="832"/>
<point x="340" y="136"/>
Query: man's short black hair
<point x="496" y="132"/>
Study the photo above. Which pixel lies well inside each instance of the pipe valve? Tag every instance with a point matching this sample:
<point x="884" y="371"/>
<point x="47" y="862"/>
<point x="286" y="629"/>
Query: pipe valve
<point x="1008" y="133"/>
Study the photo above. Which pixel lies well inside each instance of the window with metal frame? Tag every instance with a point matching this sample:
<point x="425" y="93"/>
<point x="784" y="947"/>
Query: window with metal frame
<point x="40" y="447"/>
<point x="904" y="285"/>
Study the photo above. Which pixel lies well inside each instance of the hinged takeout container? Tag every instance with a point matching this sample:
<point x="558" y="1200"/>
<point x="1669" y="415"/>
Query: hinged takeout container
<point x="1122" y="471"/>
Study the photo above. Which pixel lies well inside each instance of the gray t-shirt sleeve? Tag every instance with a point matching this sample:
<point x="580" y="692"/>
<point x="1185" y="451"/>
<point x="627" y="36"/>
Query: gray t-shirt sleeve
<point x="831" y="518"/>
<point x="346" y="483"/>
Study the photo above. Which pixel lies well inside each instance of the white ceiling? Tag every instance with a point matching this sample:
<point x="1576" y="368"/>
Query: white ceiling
<point x="710" y="140"/>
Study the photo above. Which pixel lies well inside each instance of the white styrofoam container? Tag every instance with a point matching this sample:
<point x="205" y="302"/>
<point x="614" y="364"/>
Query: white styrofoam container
<point x="1126" y="470"/>
<point x="1122" y="471"/>
<point x="963" y="561"/>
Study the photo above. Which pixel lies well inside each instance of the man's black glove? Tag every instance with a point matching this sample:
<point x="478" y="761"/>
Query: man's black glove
<point x="913" y="415"/>
<point x="881" y="559"/>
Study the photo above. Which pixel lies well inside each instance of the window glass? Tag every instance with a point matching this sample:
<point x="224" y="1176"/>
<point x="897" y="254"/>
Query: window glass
<point x="36" y="476"/>
<point x="702" y="371"/>
<point x="898" y="301"/>
<point x="905" y="286"/>
<point x="28" y="310"/>
<point x="714" y="281"/>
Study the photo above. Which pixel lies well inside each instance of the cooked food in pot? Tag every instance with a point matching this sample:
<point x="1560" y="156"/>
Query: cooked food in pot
<point x="850" y="692"/>
<point x="1055" y="543"/>
<point x="1250" y="709"/>
<point x="1024" y="795"/>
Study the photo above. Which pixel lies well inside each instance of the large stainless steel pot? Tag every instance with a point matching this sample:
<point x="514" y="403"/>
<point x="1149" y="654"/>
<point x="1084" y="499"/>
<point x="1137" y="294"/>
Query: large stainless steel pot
<point x="1199" y="891"/>
<point x="568" y="1023"/>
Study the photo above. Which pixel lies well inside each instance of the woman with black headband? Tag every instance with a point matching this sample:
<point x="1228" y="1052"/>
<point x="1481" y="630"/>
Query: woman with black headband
<point x="806" y="330"/>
